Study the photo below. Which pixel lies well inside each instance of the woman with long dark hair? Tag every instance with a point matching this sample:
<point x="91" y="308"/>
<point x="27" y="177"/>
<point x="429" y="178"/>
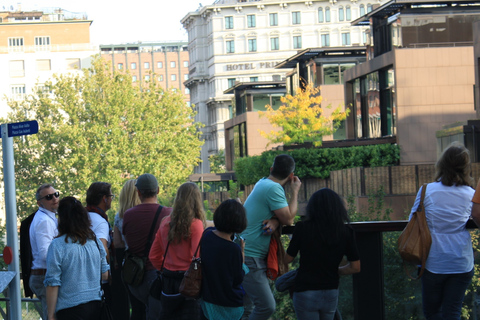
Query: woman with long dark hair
<point x="75" y="262"/>
<point x="322" y="240"/>
<point x="180" y="232"/>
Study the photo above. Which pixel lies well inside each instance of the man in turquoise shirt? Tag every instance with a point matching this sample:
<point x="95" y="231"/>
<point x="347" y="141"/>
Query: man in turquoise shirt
<point x="266" y="207"/>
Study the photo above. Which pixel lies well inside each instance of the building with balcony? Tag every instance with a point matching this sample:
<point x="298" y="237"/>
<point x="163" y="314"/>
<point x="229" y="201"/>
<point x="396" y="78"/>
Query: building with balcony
<point x="235" y="41"/>
<point x="167" y="61"/>
<point x="36" y="45"/>
<point x="419" y="75"/>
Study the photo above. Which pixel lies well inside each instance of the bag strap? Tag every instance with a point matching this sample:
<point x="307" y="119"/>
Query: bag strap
<point x="164" y="255"/>
<point x="199" y="243"/>
<point x="152" y="229"/>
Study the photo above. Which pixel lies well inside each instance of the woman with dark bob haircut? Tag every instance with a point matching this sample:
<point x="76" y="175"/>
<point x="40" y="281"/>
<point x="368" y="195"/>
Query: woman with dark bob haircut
<point x="449" y="267"/>
<point x="75" y="262"/>
<point x="322" y="240"/>
<point x="222" y="261"/>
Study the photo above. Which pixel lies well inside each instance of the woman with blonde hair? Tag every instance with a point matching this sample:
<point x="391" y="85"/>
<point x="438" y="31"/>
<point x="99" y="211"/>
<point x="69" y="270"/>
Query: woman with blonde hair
<point x="179" y="235"/>
<point x="128" y="199"/>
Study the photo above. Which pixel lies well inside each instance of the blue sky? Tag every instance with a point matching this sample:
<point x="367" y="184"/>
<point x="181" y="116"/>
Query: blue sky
<point x="124" y="21"/>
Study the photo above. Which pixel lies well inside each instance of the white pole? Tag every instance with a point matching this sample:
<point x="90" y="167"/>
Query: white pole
<point x="11" y="223"/>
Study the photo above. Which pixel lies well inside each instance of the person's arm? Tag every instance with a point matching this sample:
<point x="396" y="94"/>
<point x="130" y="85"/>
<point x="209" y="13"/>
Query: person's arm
<point x="52" y="296"/>
<point x="105" y="246"/>
<point x="156" y="250"/>
<point x="476" y="213"/>
<point x="350" y="268"/>
<point x="288" y="258"/>
<point x="44" y="234"/>
<point x="117" y="238"/>
<point x="287" y="214"/>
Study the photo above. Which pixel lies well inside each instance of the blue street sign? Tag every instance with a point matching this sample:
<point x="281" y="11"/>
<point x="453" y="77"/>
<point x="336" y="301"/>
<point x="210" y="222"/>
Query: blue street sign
<point x="22" y="128"/>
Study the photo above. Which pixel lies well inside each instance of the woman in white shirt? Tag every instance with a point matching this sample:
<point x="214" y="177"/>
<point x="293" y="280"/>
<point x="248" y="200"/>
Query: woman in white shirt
<point x="449" y="267"/>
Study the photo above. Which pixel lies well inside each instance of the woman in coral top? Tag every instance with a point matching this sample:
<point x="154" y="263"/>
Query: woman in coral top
<point x="181" y="233"/>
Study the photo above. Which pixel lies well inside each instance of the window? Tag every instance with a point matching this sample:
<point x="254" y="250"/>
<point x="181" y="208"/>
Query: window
<point x="172" y="64"/>
<point x="160" y="77"/>
<point x="159" y="65"/>
<point x="253" y="79"/>
<point x="147" y="78"/>
<point x="252" y="45"/>
<point x="297" y="42"/>
<point x="146" y="65"/>
<point x="18" y="92"/>
<point x="341" y="14"/>
<point x="185" y="77"/>
<point x="348" y="12"/>
<point x="185" y="64"/>
<point x="44" y="65"/>
<point x="173" y="77"/>
<point x="42" y="43"/>
<point x="134" y="78"/>
<point x="274" y="44"/>
<point x="229" y="22"/>
<point x="325" y="40"/>
<point x="273" y="19"/>
<point x="230" y="46"/>
<point x="320" y="15"/>
<point x="15" y="44"/>
<point x="362" y="10"/>
<point x="251" y="23"/>
<point x="369" y="8"/>
<point x="365" y="36"/>
<point x="133" y="65"/>
<point x="17" y="68"/>
<point x="327" y="14"/>
<point x="187" y="91"/>
<point x="73" y="64"/>
<point x="120" y="66"/>
<point x="296" y="18"/>
<point x="346" y="38"/>
<point x="231" y="82"/>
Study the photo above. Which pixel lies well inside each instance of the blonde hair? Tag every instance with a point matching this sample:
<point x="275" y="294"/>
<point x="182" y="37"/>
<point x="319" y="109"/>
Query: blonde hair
<point x="187" y="206"/>
<point x="128" y="197"/>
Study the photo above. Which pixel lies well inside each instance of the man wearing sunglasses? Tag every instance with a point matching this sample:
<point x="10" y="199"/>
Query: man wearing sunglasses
<point x="42" y="231"/>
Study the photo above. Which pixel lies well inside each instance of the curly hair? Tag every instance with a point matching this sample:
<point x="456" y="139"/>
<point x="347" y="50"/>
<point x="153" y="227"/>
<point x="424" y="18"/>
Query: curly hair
<point x="453" y="167"/>
<point x="186" y="207"/>
<point x="73" y="221"/>
<point x="128" y="197"/>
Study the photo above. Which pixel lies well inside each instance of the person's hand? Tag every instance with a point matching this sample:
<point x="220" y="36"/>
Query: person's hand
<point x="295" y="183"/>
<point x="269" y="226"/>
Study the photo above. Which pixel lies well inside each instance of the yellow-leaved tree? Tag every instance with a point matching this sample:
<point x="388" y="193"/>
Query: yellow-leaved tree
<point x="302" y="118"/>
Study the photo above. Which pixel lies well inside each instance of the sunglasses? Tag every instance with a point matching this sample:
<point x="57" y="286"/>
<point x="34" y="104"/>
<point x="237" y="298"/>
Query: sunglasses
<point x="50" y="196"/>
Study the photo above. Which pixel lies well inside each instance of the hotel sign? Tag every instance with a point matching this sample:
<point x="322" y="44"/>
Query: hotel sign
<point x="251" y="66"/>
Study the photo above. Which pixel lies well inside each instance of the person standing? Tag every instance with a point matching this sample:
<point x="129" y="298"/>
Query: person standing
<point x="42" y="231"/>
<point x="76" y="261"/>
<point x="449" y="266"/>
<point x="266" y="207"/>
<point x="137" y="222"/>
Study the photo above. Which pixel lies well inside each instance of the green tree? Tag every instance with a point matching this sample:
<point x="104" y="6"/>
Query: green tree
<point x="301" y="118"/>
<point x="217" y="162"/>
<point x="99" y="126"/>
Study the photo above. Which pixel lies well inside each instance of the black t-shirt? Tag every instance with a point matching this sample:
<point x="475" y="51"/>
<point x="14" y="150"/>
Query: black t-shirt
<point x="319" y="261"/>
<point x="221" y="270"/>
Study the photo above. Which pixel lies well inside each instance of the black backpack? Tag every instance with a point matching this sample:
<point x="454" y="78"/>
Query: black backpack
<point x="26" y="256"/>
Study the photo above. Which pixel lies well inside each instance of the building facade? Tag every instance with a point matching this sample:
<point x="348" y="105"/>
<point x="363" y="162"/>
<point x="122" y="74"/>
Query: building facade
<point x="36" y="45"/>
<point x="167" y="61"/>
<point x="237" y="41"/>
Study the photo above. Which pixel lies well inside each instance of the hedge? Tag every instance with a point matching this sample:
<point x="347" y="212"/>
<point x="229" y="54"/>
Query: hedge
<point x="318" y="162"/>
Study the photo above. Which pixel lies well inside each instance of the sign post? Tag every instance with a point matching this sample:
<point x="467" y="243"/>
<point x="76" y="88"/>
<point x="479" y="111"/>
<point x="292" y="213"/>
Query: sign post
<point x="8" y="132"/>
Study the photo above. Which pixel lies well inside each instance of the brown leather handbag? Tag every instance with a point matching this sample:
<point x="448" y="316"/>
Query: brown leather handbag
<point x="415" y="241"/>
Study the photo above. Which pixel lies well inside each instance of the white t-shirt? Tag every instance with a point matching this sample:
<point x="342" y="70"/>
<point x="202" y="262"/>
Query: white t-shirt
<point x="100" y="227"/>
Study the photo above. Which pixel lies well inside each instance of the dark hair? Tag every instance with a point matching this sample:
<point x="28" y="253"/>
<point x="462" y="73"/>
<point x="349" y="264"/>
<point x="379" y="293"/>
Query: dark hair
<point x="283" y="165"/>
<point x="148" y="193"/>
<point x="230" y="217"/>
<point x="96" y="191"/>
<point x="453" y="167"/>
<point x="73" y="221"/>
<point x="43" y="186"/>
<point x="327" y="213"/>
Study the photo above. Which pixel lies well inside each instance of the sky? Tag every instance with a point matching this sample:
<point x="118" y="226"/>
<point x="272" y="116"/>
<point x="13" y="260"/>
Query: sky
<point x="125" y="21"/>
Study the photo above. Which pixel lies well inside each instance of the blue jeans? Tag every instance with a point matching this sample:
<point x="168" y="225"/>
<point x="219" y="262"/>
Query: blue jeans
<point x="259" y="301"/>
<point x="442" y="294"/>
<point x="37" y="286"/>
<point x="315" y="304"/>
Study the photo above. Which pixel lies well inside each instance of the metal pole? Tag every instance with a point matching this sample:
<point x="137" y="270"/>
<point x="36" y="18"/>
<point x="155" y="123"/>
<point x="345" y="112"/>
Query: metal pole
<point x="11" y="223"/>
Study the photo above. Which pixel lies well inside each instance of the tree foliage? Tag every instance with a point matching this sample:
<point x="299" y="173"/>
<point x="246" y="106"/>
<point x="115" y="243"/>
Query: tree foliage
<point x="99" y="126"/>
<point x="302" y="118"/>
